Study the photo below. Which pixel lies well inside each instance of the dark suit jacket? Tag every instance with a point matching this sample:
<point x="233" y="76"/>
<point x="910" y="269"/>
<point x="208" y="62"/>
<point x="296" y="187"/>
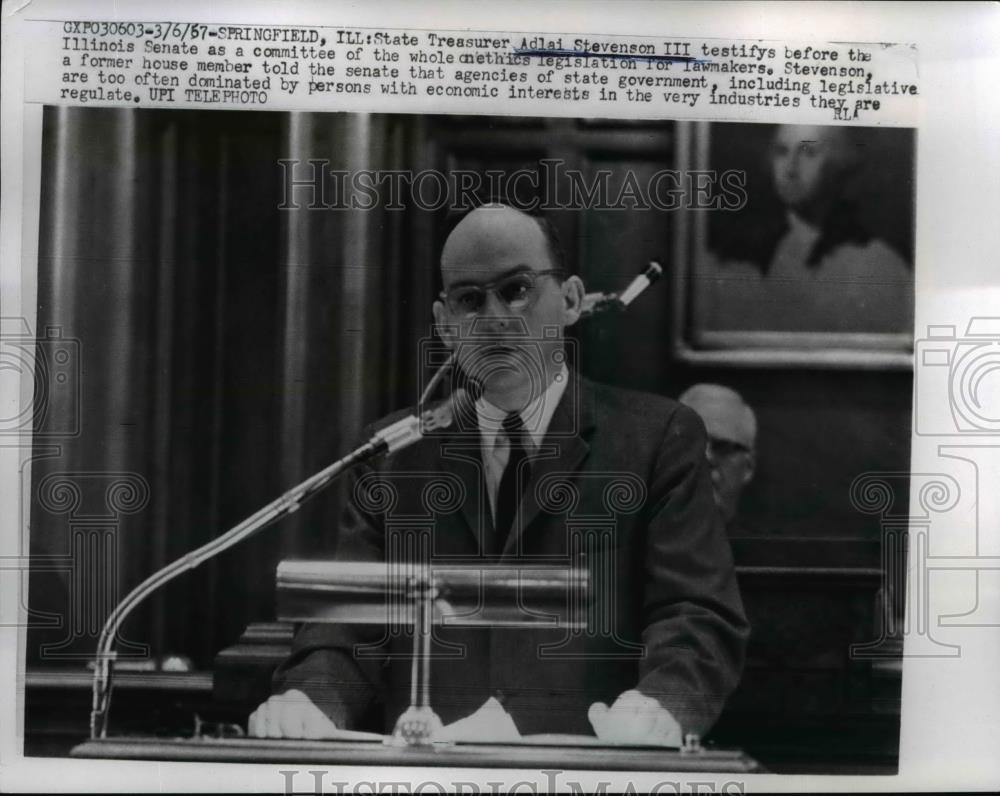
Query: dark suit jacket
<point x="620" y="484"/>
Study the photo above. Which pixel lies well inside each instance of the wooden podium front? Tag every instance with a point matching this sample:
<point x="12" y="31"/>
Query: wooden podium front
<point x="530" y="754"/>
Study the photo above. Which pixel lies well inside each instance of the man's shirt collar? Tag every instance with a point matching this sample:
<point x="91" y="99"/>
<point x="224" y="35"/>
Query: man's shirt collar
<point x="536" y="416"/>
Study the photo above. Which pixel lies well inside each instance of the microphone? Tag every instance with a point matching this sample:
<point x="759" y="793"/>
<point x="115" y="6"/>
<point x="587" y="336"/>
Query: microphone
<point x="390" y="439"/>
<point x="594" y="303"/>
<point x="415" y="427"/>
<point x="653" y="272"/>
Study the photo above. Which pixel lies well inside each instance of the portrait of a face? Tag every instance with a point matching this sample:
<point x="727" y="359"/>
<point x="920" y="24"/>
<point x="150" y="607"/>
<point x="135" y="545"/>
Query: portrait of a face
<point x="806" y="162"/>
<point x="820" y="255"/>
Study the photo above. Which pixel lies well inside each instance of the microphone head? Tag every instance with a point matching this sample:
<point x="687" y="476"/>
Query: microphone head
<point x="652" y="272"/>
<point x="447" y="413"/>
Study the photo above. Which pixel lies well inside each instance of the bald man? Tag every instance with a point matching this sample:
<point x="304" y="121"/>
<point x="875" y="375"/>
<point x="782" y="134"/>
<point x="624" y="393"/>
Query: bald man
<point x="732" y="444"/>
<point x="671" y="641"/>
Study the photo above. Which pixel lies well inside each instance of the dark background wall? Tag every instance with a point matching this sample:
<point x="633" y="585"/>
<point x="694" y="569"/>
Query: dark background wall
<point x="229" y="348"/>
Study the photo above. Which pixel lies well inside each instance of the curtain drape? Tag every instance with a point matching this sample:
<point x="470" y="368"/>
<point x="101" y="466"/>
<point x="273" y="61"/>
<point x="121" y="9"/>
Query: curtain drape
<point x="230" y="343"/>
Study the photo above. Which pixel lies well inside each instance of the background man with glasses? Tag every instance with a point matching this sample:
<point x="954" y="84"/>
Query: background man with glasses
<point x="671" y="644"/>
<point x="732" y="445"/>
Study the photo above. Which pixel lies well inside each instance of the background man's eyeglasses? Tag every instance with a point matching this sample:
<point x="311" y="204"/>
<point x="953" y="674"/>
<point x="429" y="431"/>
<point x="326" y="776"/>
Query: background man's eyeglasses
<point x="516" y="292"/>
<point x="718" y="449"/>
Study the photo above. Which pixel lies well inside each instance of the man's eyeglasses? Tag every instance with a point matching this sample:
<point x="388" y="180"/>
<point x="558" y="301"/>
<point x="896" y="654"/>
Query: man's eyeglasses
<point x="718" y="449"/>
<point x="517" y="292"/>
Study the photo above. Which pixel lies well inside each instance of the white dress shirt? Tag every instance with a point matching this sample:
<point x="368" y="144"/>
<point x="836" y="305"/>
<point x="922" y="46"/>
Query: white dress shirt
<point x="536" y="417"/>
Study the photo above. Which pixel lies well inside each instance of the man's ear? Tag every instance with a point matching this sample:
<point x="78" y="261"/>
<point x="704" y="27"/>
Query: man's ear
<point x="443" y="328"/>
<point x="751" y="466"/>
<point x="572" y="291"/>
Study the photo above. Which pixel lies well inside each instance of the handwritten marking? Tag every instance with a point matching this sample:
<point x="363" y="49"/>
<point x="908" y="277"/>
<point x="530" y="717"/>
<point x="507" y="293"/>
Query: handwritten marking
<point x="563" y="53"/>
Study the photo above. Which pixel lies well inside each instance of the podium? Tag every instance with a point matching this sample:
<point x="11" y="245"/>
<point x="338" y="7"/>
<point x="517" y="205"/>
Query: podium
<point x="544" y="753"/>
<point x="421" y="596"/>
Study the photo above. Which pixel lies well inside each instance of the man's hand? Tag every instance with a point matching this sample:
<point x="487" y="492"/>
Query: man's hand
<point x="290" y="715"/>
<point x="634" y="718"/>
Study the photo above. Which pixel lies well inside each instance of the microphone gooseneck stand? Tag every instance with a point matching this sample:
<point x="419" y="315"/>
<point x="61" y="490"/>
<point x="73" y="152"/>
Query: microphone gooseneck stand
<point x="392" y="438"/>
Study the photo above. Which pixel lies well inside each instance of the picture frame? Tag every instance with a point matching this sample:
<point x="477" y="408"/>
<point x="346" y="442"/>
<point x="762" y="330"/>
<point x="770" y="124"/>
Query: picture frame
<point x="735" y="330"/>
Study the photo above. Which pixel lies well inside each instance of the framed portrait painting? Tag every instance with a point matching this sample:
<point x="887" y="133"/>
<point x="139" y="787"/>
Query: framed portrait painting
<point x="809" y="261"/>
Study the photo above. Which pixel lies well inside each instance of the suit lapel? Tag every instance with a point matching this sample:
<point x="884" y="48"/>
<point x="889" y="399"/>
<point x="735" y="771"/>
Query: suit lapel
<point x="562" y="451"/>
<point x="461" y="455"/>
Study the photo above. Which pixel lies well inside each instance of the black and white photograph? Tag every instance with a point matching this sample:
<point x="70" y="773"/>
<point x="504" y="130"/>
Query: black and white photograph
<point x="249" y="311"/>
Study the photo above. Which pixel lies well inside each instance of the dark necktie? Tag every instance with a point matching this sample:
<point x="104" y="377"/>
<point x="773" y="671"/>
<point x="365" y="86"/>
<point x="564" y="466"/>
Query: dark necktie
<point x="514" y="479"/>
